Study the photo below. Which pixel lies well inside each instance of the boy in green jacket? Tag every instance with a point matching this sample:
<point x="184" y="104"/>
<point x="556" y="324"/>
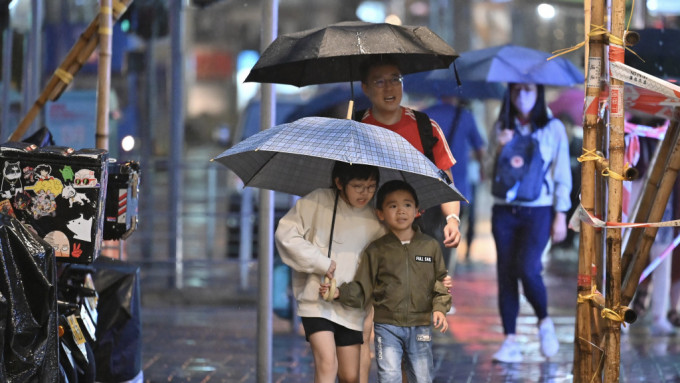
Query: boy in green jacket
<point x="402" y="272"/>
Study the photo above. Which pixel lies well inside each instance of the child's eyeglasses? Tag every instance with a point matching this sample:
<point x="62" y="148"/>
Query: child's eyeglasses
<point x="394" y="81"/>
<point x="360" y="189"/>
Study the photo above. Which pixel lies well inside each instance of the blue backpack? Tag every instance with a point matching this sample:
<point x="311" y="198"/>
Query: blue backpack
<point x="518" y="174"/>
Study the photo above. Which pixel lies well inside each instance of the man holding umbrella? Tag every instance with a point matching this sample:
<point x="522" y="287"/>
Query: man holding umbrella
<point x="381" y="81"/>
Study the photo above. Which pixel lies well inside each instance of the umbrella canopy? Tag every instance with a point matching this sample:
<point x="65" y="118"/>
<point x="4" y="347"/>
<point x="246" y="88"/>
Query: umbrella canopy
<point x="336" y="52"/>
<point x="443" y="83"/>
<point x="298" y="157"/>
<point x="512" y="63"/>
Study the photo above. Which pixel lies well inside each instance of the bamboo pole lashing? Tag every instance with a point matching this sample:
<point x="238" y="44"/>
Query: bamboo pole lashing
<point x="597" y="300"/>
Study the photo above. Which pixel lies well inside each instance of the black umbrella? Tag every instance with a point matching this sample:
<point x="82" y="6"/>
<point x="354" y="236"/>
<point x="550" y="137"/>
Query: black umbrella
<point x="336" y="52"/>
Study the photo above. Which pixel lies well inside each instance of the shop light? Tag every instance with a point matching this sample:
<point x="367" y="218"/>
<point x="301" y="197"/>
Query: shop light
<point x="128" y="143"/>
<point x="546" y="11"/>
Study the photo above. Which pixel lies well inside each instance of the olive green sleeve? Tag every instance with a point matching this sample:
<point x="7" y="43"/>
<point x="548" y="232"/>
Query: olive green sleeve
<point x="442" y="299"/>
<point x="358" y="292"/>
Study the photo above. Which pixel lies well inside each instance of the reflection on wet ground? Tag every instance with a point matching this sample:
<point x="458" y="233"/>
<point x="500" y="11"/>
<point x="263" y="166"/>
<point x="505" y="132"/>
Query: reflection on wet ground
<point x="217" y="343"/>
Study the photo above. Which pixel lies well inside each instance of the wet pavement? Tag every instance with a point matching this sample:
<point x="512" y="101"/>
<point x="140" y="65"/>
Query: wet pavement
<point x="215" y="341"/>
<point x="206" y="332"/>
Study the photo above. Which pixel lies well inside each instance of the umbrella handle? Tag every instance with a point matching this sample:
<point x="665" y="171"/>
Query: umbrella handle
<point x="350" y="109"/>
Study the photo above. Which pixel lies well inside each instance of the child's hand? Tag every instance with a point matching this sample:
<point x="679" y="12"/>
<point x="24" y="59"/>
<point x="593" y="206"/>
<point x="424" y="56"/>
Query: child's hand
<point x="323" y="288"/>
<point x="326" y="286"/>
<point x="439" y="319"/>
<point x="331" y="270"/>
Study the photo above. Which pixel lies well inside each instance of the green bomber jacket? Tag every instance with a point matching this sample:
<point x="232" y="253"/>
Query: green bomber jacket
<point x="404" y="280"/>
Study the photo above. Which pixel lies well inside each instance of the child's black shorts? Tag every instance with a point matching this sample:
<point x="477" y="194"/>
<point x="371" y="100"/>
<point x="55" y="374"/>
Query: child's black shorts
<point x="343" y="336"/>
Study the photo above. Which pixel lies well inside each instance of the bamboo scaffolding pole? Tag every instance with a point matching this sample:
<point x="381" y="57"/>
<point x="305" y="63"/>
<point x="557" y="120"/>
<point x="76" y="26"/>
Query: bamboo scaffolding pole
<point x="62" y="77"/>
<point x="583" y="349"/>
<point x="641" y="256"/>
<point x="612" y="353"/>
<point x="104" y="74"/>
<point x="648" y="194"/>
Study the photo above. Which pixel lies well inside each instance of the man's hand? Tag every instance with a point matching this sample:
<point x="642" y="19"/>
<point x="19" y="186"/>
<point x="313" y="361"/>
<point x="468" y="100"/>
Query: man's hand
<point x="448" y="283"/>
<point x="451" y="233"/>
<point x="558" y="232"/>
<point x="439" y="319"/>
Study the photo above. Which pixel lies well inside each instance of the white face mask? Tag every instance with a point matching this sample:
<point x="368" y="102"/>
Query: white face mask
<point x="525" y="101"/>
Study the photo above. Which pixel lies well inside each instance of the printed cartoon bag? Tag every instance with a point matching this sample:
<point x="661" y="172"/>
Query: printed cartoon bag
<point x="519" y="174"/>
<point x="59" y="192"/>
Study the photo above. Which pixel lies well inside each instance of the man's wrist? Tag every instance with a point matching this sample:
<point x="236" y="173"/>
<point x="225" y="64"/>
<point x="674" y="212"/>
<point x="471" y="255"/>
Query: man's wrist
<point x="454" y="216"/>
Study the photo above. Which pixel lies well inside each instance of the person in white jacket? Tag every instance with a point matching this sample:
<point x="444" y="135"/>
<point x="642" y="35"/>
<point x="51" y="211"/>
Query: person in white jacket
<point x="303" y="236"/>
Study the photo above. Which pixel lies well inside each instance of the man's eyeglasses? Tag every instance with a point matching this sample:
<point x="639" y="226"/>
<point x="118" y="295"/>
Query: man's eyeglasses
<point x="360" y="189"/>
<point x="394" y="81"/>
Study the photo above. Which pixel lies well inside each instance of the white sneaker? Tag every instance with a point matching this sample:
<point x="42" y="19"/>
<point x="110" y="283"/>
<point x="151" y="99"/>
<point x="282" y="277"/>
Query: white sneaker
<point x="662" y="327"/>
<point x="546" y="332"/>
<point x="509" y="352"/>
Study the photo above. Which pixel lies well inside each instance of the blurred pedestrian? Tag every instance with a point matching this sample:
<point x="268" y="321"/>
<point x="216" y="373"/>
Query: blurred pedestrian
<point x="464" y="138"/>
<point x="522" y="227"/>
<point x="389" y="276"/>
<point x="343" y="216"/>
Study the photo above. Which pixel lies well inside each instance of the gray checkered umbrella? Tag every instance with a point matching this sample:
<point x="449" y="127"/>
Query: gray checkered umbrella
<point x="298" y="157"/>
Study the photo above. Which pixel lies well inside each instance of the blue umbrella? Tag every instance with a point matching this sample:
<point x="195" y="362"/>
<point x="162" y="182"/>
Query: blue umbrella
<point x="443" y="83"/>
<point x="298" y="157"/>
<point x="513" y="63"/>
<point x="329" y="101"/>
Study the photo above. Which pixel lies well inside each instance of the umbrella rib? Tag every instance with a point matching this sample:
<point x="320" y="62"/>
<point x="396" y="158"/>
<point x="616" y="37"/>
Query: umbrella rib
<point x="264" y="165"/>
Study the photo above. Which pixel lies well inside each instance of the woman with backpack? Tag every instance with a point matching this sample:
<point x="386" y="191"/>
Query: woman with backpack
<point x="531" y="185"/>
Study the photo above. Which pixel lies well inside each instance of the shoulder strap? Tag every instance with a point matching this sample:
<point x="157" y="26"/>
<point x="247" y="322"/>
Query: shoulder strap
<point x="427" y="139"/>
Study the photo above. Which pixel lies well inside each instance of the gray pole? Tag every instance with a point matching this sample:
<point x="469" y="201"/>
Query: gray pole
<point x="270" y="20"/>
<point x="33" y="67"/>
<point x="147" y="151"/>
<point x="8" y="36"/>
<point x="177" y="136"/>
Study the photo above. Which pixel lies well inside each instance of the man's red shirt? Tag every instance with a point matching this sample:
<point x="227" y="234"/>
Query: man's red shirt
<point x="407" y="127"/>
